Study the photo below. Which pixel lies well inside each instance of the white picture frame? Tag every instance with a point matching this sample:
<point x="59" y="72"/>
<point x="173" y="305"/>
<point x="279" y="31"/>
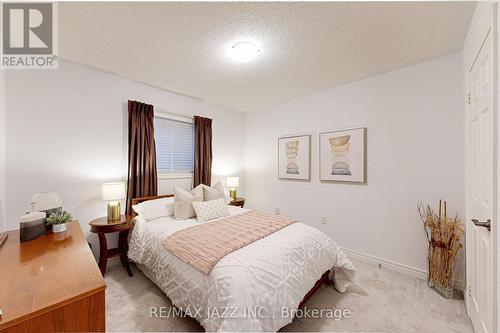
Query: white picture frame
<point x="342" y="155"/>
<point x="294" y="157"/>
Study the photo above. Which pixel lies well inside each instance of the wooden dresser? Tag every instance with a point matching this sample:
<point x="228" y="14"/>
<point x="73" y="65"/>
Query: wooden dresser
<point x="50" y="284"/>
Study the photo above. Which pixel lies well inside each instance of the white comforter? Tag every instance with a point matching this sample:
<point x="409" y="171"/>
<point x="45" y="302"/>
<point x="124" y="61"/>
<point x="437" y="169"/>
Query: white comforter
<point x="255" y="288"/>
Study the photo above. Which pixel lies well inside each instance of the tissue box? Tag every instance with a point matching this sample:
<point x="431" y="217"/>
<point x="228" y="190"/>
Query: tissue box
<point x="32" y="226"/>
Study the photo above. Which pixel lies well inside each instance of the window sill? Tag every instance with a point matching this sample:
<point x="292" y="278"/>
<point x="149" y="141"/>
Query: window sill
<point x="176" y="175"/>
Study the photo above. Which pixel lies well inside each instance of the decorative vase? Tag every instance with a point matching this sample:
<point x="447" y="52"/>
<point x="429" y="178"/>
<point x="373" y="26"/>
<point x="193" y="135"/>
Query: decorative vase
<point x="443" y="235"/>
<point x="59" y="227"/>
<point x="441" y="275"/>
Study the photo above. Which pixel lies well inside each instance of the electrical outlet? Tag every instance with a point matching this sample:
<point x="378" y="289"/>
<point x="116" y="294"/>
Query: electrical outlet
<point x="276" y="211"/>
<point x="324" y="219"/>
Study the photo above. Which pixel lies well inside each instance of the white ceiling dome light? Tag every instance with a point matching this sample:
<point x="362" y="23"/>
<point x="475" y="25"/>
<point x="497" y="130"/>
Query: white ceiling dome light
<point x="244" y="51"/>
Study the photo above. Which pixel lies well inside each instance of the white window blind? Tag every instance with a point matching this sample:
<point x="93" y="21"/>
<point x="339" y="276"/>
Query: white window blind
<point x="174" y="146"/>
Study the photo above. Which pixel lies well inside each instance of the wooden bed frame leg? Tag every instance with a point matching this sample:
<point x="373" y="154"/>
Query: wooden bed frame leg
<point x="328" y="281"/>
<point x="325" y="278"/>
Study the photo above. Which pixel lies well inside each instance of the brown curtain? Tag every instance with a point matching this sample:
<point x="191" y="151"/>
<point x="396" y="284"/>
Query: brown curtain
<point x="202" y="151"/>
<point x="142" y="175"/>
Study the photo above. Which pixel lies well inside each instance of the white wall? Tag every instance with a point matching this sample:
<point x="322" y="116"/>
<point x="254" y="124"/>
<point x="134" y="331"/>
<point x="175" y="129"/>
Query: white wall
<point x="415" y="121"/>
<point x="3" y="147"/>
<point x="67" y="132"/>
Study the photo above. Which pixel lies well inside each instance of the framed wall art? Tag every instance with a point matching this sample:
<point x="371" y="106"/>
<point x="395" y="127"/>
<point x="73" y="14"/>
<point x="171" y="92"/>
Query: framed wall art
<point x="342" y="155"/>
<point x="294" y="157"/>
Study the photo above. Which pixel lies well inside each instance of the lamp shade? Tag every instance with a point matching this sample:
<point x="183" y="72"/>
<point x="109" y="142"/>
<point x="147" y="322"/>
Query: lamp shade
<point x="46" y="202"/>
<point x="113" y="191"/>
<point x="233" y="181"/>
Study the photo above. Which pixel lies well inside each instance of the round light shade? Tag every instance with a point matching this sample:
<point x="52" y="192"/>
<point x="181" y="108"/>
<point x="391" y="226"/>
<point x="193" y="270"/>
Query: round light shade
<point x="233" y="181"/>
<point x="113" y="191"/>
<point x="244" y="51"/>
<point x="45" y="201"/>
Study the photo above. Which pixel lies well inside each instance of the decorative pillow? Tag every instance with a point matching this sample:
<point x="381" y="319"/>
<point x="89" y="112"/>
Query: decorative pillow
<point x="213" y="193"/>
<point x="153" y="213"/>
<point x="209" y="210"/>
<point x="154" y="209"/>
<point x="183" y="208"/>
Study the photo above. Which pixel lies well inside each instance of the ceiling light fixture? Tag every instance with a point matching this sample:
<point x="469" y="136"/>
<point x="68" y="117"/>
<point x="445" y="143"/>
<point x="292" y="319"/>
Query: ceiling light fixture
<point x="244" y="51"/>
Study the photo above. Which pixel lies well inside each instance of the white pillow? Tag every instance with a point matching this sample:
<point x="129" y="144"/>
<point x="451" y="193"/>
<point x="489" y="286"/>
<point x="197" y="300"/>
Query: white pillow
<point x="153" y="213"/>
<point x="213" y="193"/>
<point x="154" y="209"/>
<point x="183" y="208"/>
<point x="209" y="210"/>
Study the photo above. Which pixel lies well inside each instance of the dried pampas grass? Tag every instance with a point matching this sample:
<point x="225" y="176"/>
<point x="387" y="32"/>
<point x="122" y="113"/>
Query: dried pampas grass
<point x="443" y="236"/>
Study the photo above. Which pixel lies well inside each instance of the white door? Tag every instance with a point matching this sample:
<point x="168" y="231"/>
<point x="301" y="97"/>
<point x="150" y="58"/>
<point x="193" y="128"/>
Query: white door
<point x="480" y="189"/>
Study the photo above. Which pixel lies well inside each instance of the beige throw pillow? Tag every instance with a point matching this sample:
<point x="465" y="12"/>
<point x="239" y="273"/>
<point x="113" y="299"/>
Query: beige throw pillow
<point x="213" y="193"/>
<point x="183" y="207"/>
<point x="209" y="210"/>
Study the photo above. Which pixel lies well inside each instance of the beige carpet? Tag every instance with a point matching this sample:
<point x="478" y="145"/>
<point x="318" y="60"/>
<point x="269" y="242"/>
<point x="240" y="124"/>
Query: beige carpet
<point x="380" y="301"/>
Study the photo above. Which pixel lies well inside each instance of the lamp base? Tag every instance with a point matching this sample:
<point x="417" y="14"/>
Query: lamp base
<point x="232" y="193"/>
<point x="113" y="211"/>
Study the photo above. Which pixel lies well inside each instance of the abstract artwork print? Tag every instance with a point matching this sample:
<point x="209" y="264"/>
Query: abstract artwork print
<point x="292" y="152"/>
<point x="294" y="157"/>
<point x="339" y="146"/>
<point x="342" y="155"/>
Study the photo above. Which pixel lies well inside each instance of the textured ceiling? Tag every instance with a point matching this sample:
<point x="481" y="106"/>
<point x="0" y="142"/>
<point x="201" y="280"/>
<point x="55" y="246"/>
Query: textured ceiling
<point x="306" y="47"/>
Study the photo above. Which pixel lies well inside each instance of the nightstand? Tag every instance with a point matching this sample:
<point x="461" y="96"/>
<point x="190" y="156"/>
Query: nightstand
<point x="101" y="226"/>
<point x="238" y="202"/>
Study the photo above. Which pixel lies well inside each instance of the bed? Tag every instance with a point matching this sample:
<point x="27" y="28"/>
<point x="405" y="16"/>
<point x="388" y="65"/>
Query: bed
<point x="255" y="288"/>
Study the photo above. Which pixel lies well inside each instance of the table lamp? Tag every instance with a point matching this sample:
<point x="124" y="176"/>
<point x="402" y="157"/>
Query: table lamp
<point x="233" y="183"/>
<point x="112" y="192"/>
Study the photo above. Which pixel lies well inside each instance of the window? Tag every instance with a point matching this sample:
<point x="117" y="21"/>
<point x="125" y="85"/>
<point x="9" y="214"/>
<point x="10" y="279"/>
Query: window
<point x="174" y="146"/>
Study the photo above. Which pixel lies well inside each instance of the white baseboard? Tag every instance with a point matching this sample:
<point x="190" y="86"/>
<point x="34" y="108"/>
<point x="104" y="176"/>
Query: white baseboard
<point x="397" y="267"/>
